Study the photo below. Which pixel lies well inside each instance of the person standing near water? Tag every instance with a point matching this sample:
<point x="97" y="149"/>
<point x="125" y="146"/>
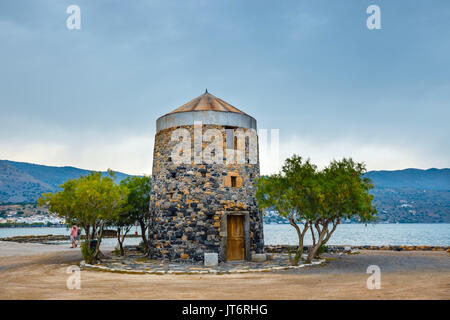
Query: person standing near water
<point x="78" y="236"/>
<point x="74" y="235"/>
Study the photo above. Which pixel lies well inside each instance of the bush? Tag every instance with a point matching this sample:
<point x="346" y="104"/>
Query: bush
<point x="86" y="253"/>
<point x="116" y="251"/>
<point x="142" y="246"/>
<point x="323" y="248"/>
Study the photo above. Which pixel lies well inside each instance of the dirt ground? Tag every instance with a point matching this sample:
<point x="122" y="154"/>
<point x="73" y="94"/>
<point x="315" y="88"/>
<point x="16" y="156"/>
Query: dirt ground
<point x="33" y="271"/>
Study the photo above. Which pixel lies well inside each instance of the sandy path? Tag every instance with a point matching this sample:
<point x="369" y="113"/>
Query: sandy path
<point x="405" y="275"/>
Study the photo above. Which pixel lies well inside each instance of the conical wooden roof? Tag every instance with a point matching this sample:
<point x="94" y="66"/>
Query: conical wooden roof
<point x="207" y="102"/>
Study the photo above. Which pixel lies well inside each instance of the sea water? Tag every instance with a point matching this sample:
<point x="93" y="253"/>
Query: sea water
<point x="428" y="234"/>
<point x="432" y="234"/>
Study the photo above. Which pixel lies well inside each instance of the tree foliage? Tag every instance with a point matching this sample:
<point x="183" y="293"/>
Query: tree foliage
<point x="317" y="200"/>
<point x="344" y="194"/>
<point x="138" y="203"/>
<point x="293" y="194"/>
<point x="91" y="202"/>
<point x="123" y="222"/>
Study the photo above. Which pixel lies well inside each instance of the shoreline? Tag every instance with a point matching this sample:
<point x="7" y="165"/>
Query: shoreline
<point x="282" y="248"/>
<point x="346" y="235"/>
<point x="344" y="248"/>
<point x="51" y="237"/>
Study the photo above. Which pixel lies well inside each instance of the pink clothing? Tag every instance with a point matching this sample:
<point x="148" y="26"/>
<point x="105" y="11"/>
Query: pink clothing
<point x="74" y="231"/>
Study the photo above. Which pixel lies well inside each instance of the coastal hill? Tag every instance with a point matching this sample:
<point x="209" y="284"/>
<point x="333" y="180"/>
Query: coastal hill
<point x="409" y="195"/>
<point x="412" y="195"/>
<point x="25" y="182"/>
<point x="431" y="179"/>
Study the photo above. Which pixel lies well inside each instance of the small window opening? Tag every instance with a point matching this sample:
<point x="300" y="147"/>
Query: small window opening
<point x="233" y="182"/>
<point x="229" y="137"/>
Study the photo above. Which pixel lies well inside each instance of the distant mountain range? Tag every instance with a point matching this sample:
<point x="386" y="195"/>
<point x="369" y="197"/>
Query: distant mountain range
<point x="431" y="179"/>
<point x="412" y="195"/>
<point x="25" y="182"/>
<point x="409" y="195"/>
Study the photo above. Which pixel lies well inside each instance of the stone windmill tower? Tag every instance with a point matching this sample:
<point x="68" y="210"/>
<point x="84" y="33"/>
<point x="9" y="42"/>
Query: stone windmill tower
<point x="205" y="168"/>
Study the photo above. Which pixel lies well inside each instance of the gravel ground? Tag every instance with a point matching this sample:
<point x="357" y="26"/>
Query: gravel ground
<point x="388" y="261"/>
<point x="32" y="271"/>
<point x="14" y="249"/>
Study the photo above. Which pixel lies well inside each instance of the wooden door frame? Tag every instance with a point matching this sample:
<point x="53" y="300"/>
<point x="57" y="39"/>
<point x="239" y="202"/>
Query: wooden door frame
<point x="224" y="233"/>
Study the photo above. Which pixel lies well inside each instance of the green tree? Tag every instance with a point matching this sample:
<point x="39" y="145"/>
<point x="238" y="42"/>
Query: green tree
<point x="294" y="194"/>
<point x="91" y="202"/>
<point x="317" y="200"/>
<point x="138" y="203"/>
<point x="123" y="222"/>
<point x="344" y="195"/>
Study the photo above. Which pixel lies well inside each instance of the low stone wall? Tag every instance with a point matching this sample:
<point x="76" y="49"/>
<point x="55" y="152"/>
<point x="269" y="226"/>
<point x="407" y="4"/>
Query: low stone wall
<point x="292" y="249"/>
<point x="343" y="248"/>
<point x="140" y="265"/>
<point x="405" y="248"/>
<point x="37" y="239"/>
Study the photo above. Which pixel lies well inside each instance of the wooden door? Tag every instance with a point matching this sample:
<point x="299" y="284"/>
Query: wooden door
<point x="235" y="229"/>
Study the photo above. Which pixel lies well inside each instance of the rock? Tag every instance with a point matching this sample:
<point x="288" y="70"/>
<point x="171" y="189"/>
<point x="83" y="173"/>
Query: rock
<point x="109" y="233"/>
<point x="211" y="259"/>
<point x="259" y="257"/>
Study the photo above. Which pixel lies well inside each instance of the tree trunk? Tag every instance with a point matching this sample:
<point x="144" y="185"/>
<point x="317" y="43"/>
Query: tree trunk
<point x="144" y="235"/>
<point x="313" y="252"/>
<point x="335" y="224"/>
<point x="313" y="235"/>
<point x="94" y="228"/>
<point x="120" y="241"/>
<point x="87" y="238"/>
<point x="326" y="238"/>
<point x="300" y="235"/>
<point x="121" y="234"/>
<point x="99" y="241"/>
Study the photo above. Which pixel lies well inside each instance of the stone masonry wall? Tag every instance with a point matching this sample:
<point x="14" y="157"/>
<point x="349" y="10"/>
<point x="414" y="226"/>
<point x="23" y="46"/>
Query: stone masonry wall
<point x="189" y="201"/>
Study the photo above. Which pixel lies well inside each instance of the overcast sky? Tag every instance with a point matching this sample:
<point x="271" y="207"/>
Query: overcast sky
<point x="90" y="97"/>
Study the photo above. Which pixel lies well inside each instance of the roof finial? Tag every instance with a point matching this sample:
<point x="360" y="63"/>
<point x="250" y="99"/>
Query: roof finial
<point x="206" y="91"/>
